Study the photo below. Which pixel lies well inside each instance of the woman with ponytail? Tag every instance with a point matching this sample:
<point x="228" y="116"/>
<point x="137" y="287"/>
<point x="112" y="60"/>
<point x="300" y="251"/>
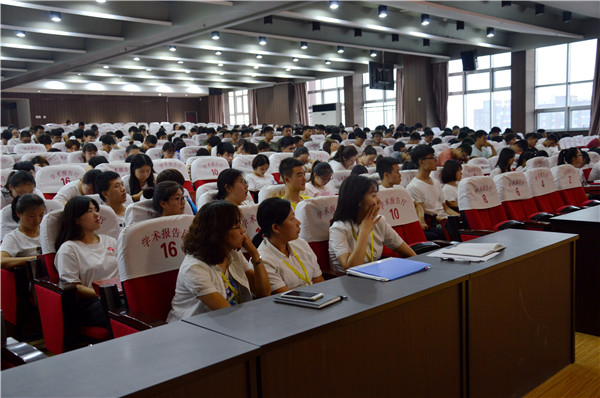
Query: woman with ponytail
<point x="344" y="159"/>
<point x="23" y="243"/>
<point x="288" y="259"/>
<point x="574" y="157"/>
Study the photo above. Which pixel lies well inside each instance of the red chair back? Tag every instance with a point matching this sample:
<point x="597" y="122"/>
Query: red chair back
<point x="480" y="204"/>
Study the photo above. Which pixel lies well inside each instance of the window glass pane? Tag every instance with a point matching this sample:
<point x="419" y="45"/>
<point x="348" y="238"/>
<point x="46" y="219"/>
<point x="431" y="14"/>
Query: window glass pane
<point x="312" y="98"/>
<point x="580" y="119"/>
<point x="342" y="99"/>
<point x="231" y="101"/>
<point x="501" y="110"/>
<point x="549" y="64"/>
<point x="312" y="85"/>
<point x="245" y="103"/>
<point x="318" y="98"/>
<point x="580" y="94"/>
<point x="502" y="78"/>
<point x="478" y="111"/>
<point x="373" y="116"/>
<point x="500" y="60"/>
<point x="551" y="120"/>
<point x="390" y="114"/>
<point x="455" y="110"/>
<point x="328" y="83"/>
<point x="550" y="97"/>
<point x="373" y="95"/>
<point x="340" y="81"/>
<point x="238" y="105"/>
<point x="330" y="97"/>
<point x="455" y="66"/>
<point x="483" y="62"/>
<point x="318" y="85"/>
<point x="478" y="81"/>
<point x="582" y="59"/>
<point x="455" y="83"/>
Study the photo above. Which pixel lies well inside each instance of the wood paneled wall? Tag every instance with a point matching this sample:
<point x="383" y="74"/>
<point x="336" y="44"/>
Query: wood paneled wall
<point x="276" y="104"/>
<point x="109" y="109"/>
<point x="419" y="105"/>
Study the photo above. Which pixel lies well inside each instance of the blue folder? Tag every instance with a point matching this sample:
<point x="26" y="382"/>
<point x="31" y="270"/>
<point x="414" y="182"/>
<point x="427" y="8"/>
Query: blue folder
<point x="388" y="269"/>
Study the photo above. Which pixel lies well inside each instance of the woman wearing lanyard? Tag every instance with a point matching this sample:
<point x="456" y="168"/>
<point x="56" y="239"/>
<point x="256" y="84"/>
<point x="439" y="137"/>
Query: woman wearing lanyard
<point x="358" y="233"/>
<point x="289" y="260"/>
<point x="214" y="273"/>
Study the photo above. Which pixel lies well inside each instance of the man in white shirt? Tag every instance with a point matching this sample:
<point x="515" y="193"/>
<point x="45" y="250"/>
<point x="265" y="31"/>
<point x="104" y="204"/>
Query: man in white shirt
<point x="112" y="191"/>
<point x="482" y="148"/>
<point x="85" y="186"/>
<point x="427" y="192"/>
<point x="549" y="145"/>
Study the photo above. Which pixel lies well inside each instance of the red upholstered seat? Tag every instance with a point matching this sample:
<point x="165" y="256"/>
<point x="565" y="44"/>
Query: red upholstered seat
<point x="543" y="189"/>
<point x="568" y="183"/>
<point x="515" y="194"/>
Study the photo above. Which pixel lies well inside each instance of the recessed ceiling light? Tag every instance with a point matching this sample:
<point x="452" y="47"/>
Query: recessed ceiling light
<point x="218" y="52"/>
<point x="256" y="66"/>
<point x="215" y="35"/>
<point x="187" y="71"/>
<point x="303" y="45"/>
<point x="490" y="32"/>
<point x="253" y="75"/>
<point x="180" y="62"/>
<point x="55" y="16"/>
<point x="136" y="59"/>
<point x="262" y="40"/>
<point x="288" y="69"/>
<point x="424" y="19"/>
<point x="334" y="4"/>
<point x="328" y="62"/>
<point x="148" y="69"/>
<point x="172" y="48"/>
<point x="340" y="49"/>
<point x="258" y="56"/>
<point x="221" y="73"/>
<point x="220" y="64"/>
<point x="20" y="33"/>
<point x="106" y="66"/>
<point x="100" y="1"/>
<point x="295" y="59"/>
<point x="159" y="94"/>
<point x="382" y="11"/>
<point x="373" y="53"/>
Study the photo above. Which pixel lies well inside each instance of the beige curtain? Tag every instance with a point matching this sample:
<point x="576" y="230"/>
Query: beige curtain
<point x="440" y="92"/>
<point x="595" y="111"/>
<point x="252" y="106"/>
<point x="216" y="111"/>
<point x="399" y="96"/>
<point x="301" y="102"/>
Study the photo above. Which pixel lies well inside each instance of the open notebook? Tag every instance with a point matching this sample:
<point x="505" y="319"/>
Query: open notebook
<point x="474" y="249"/>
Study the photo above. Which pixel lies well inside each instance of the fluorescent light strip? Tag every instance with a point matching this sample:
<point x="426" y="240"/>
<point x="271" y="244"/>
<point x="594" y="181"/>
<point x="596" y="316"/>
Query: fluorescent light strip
<point x="41" y="61"/>
<point x="156" y="77"/>
<point x="61" y="33"/>
<point x="13" y="69"/>
<point x="83" y="13"/>
<point x="42" y="48"/>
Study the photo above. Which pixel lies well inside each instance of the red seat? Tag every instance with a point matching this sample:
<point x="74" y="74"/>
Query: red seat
<point x="315" y="215"/>
<point x="568" y="183"/>
<point x="545" y="194"/>
<point x="150" y="255"/>
<point x="516" y="198"/>
<point x="18" y="306"/>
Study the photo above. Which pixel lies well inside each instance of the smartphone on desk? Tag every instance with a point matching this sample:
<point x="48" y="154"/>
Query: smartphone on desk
<point x="302" y="295"/>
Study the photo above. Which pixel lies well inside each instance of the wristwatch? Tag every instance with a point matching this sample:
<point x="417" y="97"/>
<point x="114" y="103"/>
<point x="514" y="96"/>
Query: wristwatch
<point x="257" y="262"/>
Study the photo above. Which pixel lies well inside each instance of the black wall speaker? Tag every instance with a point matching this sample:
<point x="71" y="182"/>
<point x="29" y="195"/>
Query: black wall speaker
<point x="469" y="60"/>
<point x="215" y="91"/>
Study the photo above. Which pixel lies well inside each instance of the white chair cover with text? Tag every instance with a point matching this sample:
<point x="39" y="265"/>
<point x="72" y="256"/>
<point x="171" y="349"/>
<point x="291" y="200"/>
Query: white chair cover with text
<point x="76" y="157"/>
<point x="202" y="189"/>
<point x="243" y="163"/>
<point x="483" y="164"/>
<point x="512" y="186"/>
<point x="164" y="164"/>
<point x="249" y="220"/>
<point x="479" y="192"/>
<point x="566" y="177"/>
<point x="270" y="192"/>
<point x="153" y="246"/>
<point x="321" y="156"/>
<point x="6" y="162"/>
<point x="51" y="179"/>
<point x="118" y="167"/>
<point x="139" y="211"/>
<point x="315" y="216"/>
<point x="537" y="162"/>
<point x="336" y="180"/>
<point x="154" y="153"/>
<point x="407" y="176"/>
<point x="276" y="159"/>
<point x="21" y="149"/>
<point x="188" y="151"/>
<point x="313" y="145"/>
<point x="117" y="155"/>
<point x="541" y="181"/>
<point x="109" y="223"/>
<point x="397" y="206"/>
<point x="208" y="168"/>
<point x="471" y="170"/>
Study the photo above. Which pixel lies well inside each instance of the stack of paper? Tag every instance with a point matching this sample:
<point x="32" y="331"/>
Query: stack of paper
<point x="474" y="249"/>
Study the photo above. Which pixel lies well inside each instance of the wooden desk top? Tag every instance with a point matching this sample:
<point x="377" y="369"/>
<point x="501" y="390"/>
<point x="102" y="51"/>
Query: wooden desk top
<point x="590" y="215"/>
<point x="127" y="365"/>
<point x="520" y="244"/>
<point x="265" y="322"/>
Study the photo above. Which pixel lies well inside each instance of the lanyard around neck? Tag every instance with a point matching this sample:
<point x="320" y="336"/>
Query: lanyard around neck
<point x="372" y="257"/>
<point x="305" y="278"/>
<point x="233" y="289"/>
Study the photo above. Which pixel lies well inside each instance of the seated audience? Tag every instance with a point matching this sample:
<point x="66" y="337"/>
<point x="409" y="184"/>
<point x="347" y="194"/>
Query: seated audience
<point x="226" y="151"/>
<point x="482" y="148"/>
<point x="575" y="158"/>
<point x="344" y="159"/>
<point x="233" y="187"/>
<point x="388" y="169"/>
<point x="18" y="183"/>
<point x="288" y="259"/>
<point x="168" y="150"/>
<point x="95" y="161"/>
<point x="141" y="176"/>
<point x="451" y="176"/>
<point x="214" y="273"/>
<point x="358" y="233"/>
<point x="287" y="144"/>
<point x="168" y="198"/>
<point x="523" y="158"/>
<point x="320" y="175"/>
<point x="461" y="154"/>
<point x="368" y="156"/>
<point x="260" y="177"/>
<point x="112" y="191"/>
<point x="85" y="186"/>
<point x="504" y="163"/>
<point x="23" y="243"/>
<point x="550" y="145"/>
<point x="427" y="191"/>
<point x="292" y="172"/>
<point x="331" y="146"/>
<point x="83" y="257"/>
<point x="302" y="155"/>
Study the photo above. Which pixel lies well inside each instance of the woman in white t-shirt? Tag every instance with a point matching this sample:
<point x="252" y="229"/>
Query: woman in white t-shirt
<point x="260" y="178"/>
<point x="358" y="233"/>
<point x="505" y="161"/>
<point x="214" y="274"/>
<point x="233" y="187"/>
<point x="289" y="260"/>
<point x="319" y="177"/>
<point x="83" y="257"/>
<point x="344" y="159"/>
<point x="141" y="176"/>
<point x="451" y="175"/>
<point x="22" y="244"/>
